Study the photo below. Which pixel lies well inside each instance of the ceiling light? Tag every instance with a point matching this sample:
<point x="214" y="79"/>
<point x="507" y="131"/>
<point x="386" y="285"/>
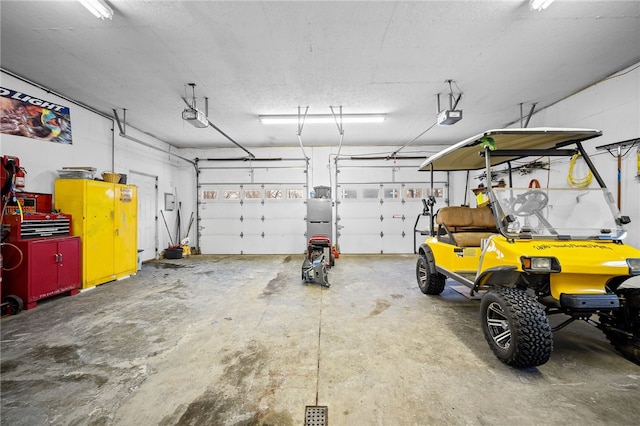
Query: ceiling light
<point x="539" y="4"/>
<point x="322" y="119"/>
<point x="99" y="8"/>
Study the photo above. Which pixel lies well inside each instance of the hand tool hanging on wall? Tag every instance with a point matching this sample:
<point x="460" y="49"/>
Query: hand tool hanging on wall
<point x="189" y="226"/>
<point x="167" y="226"/>
<point x="619" y="146"/>
<point x="178" y="223"/>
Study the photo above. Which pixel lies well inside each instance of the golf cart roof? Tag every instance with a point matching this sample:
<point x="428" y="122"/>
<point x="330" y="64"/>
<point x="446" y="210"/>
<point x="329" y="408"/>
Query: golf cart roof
<point x="465" y="155"/>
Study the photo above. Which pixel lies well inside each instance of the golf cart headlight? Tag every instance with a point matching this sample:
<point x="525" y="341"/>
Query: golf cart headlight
<point x="540" y="264"/>
<point x="634" y="266"/>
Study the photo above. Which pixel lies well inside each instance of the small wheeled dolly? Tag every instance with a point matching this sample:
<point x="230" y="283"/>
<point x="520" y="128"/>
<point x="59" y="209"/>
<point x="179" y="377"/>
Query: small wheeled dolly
<point x="314" y="267"/>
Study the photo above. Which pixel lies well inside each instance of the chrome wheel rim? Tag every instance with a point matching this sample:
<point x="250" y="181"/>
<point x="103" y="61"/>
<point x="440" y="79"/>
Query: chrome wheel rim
<point x="422" y="274"/>
<point x="498" y="325"/>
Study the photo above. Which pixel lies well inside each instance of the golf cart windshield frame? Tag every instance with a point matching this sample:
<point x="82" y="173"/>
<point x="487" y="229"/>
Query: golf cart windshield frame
<point x="525" y="213"/>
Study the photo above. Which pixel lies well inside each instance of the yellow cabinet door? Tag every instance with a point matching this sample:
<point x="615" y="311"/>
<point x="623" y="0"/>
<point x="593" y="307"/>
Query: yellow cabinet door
<point x="98" y="241"/>
<point x="125" y="256"/>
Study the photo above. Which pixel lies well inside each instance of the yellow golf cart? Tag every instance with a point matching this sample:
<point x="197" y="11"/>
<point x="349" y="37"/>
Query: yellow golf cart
<point x="534" y="252"/>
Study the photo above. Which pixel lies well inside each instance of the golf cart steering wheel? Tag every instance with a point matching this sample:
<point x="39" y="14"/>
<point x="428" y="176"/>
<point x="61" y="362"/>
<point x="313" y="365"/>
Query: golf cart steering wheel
<point x="529" y="202"/>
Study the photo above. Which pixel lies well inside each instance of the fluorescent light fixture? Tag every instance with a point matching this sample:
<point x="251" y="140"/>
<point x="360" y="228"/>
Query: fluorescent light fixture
<point x="99" y="8"/>
<point x="539" y="4"/>
<point x="322" y="119"/>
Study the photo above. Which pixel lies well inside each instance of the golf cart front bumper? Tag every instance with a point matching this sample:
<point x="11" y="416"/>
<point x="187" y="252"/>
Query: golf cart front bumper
<point x="589" y="302"/>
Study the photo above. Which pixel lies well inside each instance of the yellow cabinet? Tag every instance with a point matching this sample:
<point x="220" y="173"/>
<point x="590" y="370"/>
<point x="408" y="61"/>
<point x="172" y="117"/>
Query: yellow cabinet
<point x="105" y="216"/>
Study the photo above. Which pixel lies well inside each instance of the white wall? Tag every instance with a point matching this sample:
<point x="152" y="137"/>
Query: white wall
<point x="322" y="160"/>
<point x="322" y="168"/>
<point x="175" y="176"/>
<point x="95" y="144"/>
<point x="612" y="106"/>
<point x="91" y="142"/>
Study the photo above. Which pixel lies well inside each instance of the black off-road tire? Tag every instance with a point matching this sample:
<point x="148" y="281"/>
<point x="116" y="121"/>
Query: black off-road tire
<point x="516" y="327"/>
<point x="629" y="347"/>
<point x="429" y="281"/>
<point x="623" y="336"/>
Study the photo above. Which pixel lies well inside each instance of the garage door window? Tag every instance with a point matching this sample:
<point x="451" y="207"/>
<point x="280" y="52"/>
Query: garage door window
<point x="231" y="194"/>
<point x="391" y="193"/>
<point x="294" y="194"/>
<point x="252" y="194"/>
<point x="370" y="193"/>
<point x="210" y="195"/>
<point x="273" y="194"/>
<point x="412" y="193"/>
<point x="349" y="194"/>
<point x="436" y="192"/>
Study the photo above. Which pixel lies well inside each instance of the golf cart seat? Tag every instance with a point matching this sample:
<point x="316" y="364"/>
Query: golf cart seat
<point x="464" y="226"/>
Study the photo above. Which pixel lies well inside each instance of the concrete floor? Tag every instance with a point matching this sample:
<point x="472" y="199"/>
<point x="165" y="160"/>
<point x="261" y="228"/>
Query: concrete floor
<point x="240" y="340"/>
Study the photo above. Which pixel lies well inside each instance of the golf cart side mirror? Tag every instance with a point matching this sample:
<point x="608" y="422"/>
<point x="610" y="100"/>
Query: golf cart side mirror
<point x="623" y="220"/>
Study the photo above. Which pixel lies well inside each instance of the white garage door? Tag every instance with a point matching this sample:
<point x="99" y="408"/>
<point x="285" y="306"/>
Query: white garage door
<point x="380" y="218"/>
<point x="252" y="218"/>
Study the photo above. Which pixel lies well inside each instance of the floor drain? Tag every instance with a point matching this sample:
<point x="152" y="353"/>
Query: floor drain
<point x="315" y="416"/>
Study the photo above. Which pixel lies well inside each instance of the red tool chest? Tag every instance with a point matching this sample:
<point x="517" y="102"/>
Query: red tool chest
<point x="41" y="258"/>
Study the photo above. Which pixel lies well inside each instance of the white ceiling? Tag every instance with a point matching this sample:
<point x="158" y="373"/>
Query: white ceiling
<point x="268" y="57"/>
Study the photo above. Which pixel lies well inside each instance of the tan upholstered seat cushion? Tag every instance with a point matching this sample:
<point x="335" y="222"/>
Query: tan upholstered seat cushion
<point x="482" y="217"/>
<point x="454" y="216"/>
<point x="468" y="226"/>
<point x="471" y="239"/>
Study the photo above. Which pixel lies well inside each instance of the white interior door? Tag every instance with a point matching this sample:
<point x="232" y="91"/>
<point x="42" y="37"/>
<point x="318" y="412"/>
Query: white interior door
<point x="147" y="217"/>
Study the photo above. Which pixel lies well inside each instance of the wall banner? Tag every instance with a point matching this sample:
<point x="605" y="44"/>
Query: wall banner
<point x="24" y="115"/>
